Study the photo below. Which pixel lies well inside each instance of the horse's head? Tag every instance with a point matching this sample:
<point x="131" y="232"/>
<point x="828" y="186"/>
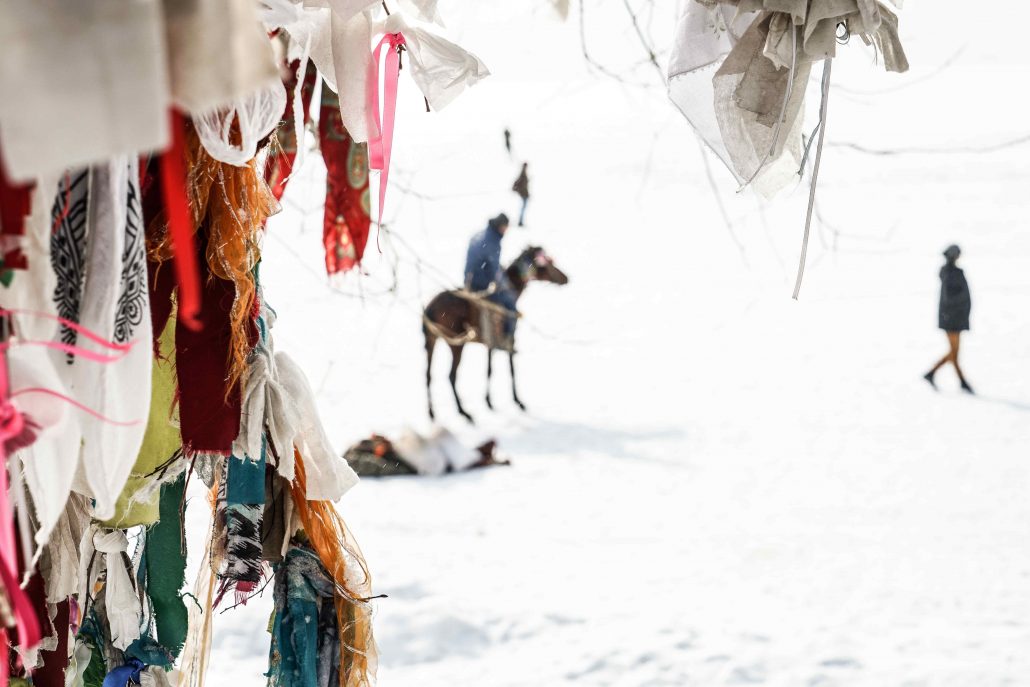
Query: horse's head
<point x="536" y="265"/>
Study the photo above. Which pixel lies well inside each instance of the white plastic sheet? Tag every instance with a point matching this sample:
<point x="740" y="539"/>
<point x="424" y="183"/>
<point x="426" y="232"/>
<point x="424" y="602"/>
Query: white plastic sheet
<point x="255" y="115"/>
<point x="442" y="70"/>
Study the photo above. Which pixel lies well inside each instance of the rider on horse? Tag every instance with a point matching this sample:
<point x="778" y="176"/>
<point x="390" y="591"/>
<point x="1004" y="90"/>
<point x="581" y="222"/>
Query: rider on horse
<point x="483" y="272"/>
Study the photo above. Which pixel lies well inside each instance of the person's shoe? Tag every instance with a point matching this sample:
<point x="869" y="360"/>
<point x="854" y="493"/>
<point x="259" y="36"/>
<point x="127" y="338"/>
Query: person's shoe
<point x="929" y="377"/>
<point x="965" y="387"/>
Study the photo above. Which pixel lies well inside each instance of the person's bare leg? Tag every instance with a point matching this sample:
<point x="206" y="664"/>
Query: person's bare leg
<point x="940" y="363"/>
<point x="953" y="339"/>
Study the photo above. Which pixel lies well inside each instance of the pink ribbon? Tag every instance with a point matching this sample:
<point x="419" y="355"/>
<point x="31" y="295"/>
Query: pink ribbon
<point x="380" y="130"/>
<point x="12" y="423"/>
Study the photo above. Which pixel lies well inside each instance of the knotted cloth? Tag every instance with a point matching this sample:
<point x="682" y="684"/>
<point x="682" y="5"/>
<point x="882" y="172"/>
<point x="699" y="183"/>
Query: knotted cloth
<point x="740" y="67"/>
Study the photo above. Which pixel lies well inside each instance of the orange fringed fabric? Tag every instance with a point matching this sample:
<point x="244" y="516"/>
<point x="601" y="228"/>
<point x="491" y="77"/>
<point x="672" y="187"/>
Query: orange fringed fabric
<point x="233" y="203"/>
<point x="332" y="541"/>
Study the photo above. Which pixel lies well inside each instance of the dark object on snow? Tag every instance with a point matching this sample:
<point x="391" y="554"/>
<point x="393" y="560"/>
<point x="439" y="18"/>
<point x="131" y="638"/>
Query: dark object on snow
<point x="521" y="187"/>
<point x="488" y="453"/>
<point x="507" y="140"/>
<point x="375" y="457"/>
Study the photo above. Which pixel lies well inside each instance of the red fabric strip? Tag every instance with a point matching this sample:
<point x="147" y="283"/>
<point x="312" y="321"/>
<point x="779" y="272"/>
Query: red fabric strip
<point x="180" y="227"/>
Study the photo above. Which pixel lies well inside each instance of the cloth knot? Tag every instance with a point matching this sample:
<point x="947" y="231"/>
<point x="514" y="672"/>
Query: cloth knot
<point x="110" y="541"/>
<point x="396" y="40"/>
<point x="11" y="421"/>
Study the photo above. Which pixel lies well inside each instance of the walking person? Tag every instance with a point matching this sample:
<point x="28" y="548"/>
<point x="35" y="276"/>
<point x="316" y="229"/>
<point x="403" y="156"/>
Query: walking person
<point x="953" y="316"/>
<point x="521" y="187"/>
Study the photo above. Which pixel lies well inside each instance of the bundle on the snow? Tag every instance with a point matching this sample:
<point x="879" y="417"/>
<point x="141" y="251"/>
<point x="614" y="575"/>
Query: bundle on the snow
<point x="413" y="454"/>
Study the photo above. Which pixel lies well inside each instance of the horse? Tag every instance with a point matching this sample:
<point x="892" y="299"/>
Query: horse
<point x="455" y="317"/>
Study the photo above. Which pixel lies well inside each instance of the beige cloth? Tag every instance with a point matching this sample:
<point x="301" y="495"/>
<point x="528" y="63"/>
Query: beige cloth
<point x="82" y="81"/>
<point x="218" y="52"/>
<point x="740" y="68"/>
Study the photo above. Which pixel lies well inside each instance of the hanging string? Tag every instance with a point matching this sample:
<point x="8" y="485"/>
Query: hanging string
<point x="815" y="174"/>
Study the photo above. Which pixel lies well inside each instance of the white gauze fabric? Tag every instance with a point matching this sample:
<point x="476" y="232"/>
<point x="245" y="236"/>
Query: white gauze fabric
<point x="257" y="114"/>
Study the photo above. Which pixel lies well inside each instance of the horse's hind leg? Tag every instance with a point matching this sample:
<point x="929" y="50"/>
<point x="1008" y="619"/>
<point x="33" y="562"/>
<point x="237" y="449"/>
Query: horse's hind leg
<point x="455" y="361"/>
<point x="430" y="344"/>
<point x="514" y="391"/>
<point x="489" y="374"/>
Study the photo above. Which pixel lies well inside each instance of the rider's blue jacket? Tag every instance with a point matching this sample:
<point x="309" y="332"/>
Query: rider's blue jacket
<point x="483" y="263"/>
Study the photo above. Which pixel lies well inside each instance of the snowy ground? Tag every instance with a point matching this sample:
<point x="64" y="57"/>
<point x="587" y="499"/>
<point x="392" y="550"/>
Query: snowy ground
<point x="715" y="484"/>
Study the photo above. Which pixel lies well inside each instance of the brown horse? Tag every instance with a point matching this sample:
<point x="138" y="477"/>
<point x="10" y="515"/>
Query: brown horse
<point x="455" y="316"/>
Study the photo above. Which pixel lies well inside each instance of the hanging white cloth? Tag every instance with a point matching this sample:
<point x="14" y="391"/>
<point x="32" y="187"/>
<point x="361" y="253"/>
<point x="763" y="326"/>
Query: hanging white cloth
<point x="328" y="475"/>
<point x="103" y="550"/>
<point x="47" y="465"/>
<point x="83" y="82"/>
<point x="104" y="289"/>
<point x="442" y="70"/>
<point x="740" y="69"/>
<point x="218" y="53"/>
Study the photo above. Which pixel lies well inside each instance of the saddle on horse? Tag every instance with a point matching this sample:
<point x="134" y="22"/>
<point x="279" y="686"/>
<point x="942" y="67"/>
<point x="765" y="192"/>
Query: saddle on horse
<point x="490" y="328"/>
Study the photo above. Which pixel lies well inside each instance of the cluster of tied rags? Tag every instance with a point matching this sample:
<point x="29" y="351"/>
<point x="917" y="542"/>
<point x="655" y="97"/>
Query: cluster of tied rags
<point x="139" y="162"/>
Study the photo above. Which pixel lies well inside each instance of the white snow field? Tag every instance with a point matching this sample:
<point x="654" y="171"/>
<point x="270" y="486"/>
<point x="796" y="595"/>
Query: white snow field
<point x="714" y="484"/>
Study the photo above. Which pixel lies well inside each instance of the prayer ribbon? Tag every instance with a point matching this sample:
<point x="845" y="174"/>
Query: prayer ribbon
<point x="180" y="227"/>
<point x="380" y="130"/>
<point x="11" y="425"/>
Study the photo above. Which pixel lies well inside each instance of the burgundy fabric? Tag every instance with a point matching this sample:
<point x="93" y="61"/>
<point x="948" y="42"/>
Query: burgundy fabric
<point x="209" y="416"/>
<point x="51" y="674"/>
<point x="15" y="205"/>
<point x="36" y="593"/>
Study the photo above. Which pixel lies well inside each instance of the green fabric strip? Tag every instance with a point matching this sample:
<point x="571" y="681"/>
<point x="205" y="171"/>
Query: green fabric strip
<point x="166" y="569"/>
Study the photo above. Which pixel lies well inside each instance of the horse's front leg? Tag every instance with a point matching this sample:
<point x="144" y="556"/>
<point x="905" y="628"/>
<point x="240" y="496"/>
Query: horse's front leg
<point x="514" y="390"/>
<point x="455" y="362"/>
<point x="489" y="374"/>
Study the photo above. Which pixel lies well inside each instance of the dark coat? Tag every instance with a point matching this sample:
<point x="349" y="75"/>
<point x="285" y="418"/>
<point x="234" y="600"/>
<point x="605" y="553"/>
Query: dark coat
<point x="955" y="300"/>
<point x="483" y="262"/>
<point x="521" y="185"/>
